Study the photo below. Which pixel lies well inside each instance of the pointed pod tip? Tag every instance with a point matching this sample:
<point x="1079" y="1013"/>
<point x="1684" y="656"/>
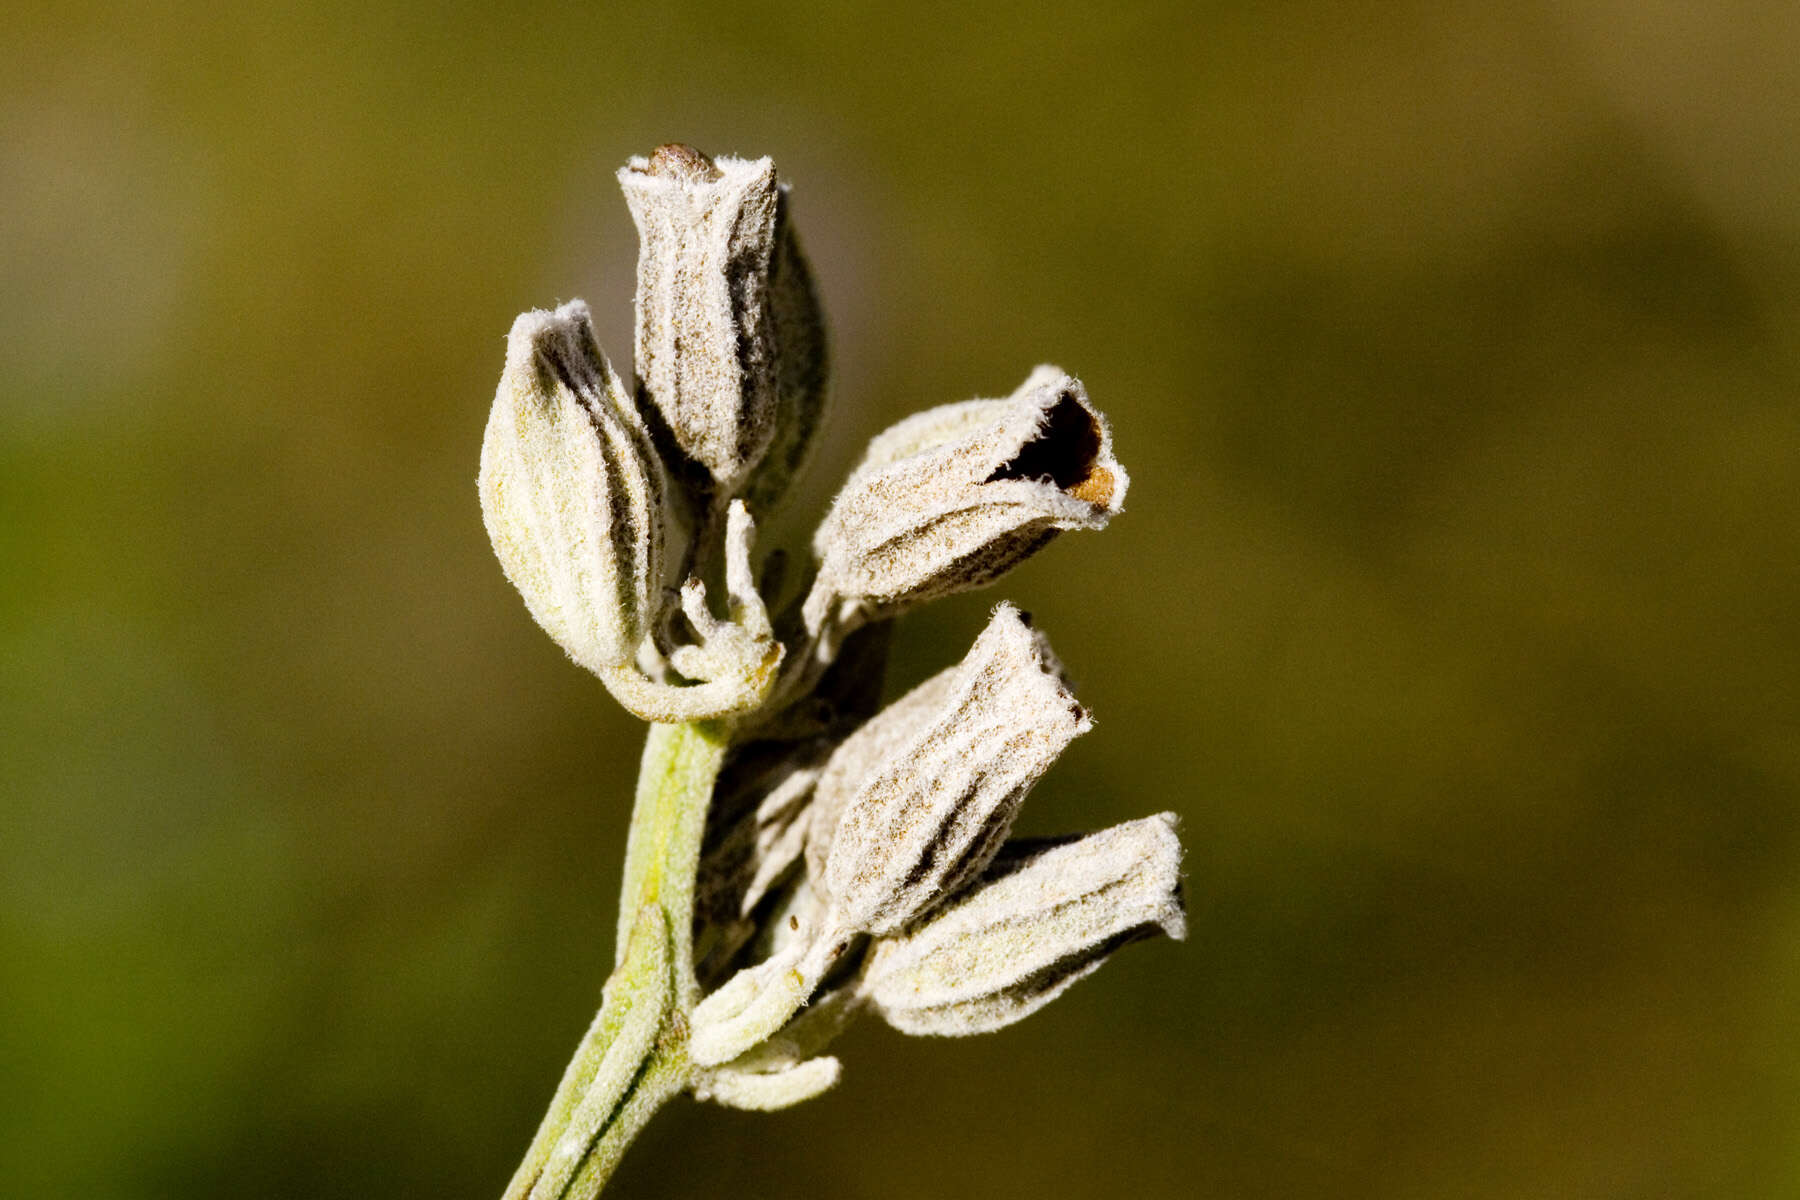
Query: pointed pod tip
<point x="547" y="330"/>
<point x="1012" y="630"/>
<point x="1166" y="853"/>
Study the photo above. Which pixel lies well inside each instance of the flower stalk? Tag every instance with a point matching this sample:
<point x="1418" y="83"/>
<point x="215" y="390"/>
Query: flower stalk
<point x="634" y="1056"/>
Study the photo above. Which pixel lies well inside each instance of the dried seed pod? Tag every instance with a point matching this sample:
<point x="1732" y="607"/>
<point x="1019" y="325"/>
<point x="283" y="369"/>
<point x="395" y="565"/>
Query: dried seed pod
<point x="953" y="498"/>
<point x="932" y="814"/>
<point x="1046" y="914"/>
<point x="728" y="328"/>
<point x="572" y="491"/>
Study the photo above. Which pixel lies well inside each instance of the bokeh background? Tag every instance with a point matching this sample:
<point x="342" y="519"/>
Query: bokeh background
<point x="1452" y="348"/>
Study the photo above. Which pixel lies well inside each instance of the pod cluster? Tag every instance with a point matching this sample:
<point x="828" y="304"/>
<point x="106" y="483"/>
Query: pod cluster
<point x="858" y="857"/>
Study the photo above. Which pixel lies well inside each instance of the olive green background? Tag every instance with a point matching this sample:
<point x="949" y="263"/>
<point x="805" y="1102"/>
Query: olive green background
<point x="1453" y="353"/>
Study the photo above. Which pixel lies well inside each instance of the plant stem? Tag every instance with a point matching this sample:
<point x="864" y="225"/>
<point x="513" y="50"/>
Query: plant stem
<point x="634" y="1055"/>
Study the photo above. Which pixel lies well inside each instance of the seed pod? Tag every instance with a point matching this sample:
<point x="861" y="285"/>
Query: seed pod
<point x="953" y="498"/>
<point x="932" y="814"/>
<point x="728" y="328"/>
<point x="572" y="492"/>
<point x="1047" y="913"/>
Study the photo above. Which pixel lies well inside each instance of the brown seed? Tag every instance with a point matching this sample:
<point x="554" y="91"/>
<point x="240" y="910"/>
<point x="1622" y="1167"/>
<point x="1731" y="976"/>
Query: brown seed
<point x="678" y="160"/>
<point x="1097" y="488"/>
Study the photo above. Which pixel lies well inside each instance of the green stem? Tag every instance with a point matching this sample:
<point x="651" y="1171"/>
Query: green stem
<point x="634" y="1055"/>
<point x="662" y="856"/>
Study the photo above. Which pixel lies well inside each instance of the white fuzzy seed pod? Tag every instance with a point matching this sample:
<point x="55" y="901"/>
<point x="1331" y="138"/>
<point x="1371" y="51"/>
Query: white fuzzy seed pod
<point x="932" y="814"/>
<point x="730" y="344"/>
<point x="1045" y="915"/>
<point x="572" y="491"/>
<point x="953" y="498"/>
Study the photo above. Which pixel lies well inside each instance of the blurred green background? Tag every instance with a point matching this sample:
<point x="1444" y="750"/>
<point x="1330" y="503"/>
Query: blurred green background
<point x="1453" y="353"/>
